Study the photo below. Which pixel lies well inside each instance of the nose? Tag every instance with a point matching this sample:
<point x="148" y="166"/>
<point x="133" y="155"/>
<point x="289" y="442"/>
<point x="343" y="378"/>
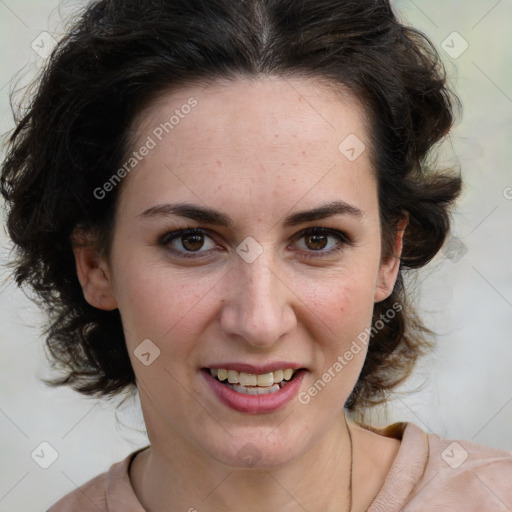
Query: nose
<point x="259" y="304"/>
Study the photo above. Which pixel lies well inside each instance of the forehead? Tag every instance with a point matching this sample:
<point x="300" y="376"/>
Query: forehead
<point x="259" y="133"/>
<point x="247" y="111"/>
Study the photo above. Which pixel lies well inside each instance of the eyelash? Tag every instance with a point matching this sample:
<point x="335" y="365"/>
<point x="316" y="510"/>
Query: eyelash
<point x="343" y="239"/>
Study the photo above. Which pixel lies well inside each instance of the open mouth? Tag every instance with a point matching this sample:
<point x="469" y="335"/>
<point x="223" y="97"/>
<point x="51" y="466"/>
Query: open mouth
<point x="253" y="384"/>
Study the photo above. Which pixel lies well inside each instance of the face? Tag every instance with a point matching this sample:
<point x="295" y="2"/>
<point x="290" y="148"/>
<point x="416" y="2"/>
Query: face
<point x="246" y="240"/>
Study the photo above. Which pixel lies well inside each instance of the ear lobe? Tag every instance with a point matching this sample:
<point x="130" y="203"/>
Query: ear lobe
<point x="94" y="276"/>
<point x="389" y="267"/>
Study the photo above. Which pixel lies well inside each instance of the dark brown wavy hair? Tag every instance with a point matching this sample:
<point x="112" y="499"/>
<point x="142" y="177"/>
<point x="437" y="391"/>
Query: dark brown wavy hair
<point x="119" y="54"/>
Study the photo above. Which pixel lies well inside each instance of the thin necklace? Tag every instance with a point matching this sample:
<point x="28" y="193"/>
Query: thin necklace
<point x="351" y="465"/>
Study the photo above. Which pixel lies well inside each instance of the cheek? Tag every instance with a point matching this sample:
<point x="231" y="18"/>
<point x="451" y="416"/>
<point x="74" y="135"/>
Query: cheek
<point x="344" y="307"/>
<point x="158" y="303"/>
<point x="344" y="303"/>
<point x="345" y="314"/>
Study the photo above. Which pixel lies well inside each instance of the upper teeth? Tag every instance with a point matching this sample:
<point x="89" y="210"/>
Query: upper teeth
<point x="251" y="379"/>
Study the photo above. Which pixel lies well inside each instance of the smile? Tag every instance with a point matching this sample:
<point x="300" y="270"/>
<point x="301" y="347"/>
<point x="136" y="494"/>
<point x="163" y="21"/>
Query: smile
<point x="252" y="392"/>
<point x="251" y="383"/>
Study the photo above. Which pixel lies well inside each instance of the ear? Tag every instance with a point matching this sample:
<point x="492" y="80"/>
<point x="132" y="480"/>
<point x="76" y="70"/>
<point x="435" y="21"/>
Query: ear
<point x="389" y="267"/>
<point x="93" y="273"/>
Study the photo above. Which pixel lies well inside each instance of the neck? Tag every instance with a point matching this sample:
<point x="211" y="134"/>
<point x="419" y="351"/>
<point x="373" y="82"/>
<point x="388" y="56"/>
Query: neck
<point x="172" y="475"/>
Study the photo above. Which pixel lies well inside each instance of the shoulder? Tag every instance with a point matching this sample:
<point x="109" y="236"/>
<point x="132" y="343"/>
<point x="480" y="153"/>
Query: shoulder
<point x="462" y="472"/>
<point x="109" y="492"/>
<point x="91" y="496"/>
<point x="431" y="472"/>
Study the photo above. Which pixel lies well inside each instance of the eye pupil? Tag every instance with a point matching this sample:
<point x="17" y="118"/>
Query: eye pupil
<point x="192" y="242"/>
<point x="316" y="242"/>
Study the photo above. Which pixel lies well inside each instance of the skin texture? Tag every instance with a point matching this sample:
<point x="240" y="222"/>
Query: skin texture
<point x="257" y="151"/>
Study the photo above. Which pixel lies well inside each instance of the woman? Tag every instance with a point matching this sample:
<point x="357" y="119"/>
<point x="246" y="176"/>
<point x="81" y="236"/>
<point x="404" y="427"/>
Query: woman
<point x="216" y="201"/>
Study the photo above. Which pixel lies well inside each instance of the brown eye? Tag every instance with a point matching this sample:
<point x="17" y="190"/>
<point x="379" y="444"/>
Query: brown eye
<point x="186" y="242"/>
<point x="319" y="241"/>
<point x="192" y="242"/>
<point x="316" y="242"/>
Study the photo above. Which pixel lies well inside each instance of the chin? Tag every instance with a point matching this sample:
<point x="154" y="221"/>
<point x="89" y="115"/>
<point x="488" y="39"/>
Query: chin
<point x="257" y="448"/>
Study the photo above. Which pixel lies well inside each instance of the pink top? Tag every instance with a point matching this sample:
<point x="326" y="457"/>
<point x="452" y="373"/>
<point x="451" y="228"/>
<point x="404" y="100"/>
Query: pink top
<point x="429" y="473"/>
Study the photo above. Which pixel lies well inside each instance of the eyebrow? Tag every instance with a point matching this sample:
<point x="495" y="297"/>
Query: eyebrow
<point x="214" y="217"/>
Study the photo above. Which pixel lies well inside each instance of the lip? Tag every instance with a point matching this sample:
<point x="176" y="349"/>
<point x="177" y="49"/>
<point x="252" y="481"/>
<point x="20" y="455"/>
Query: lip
<point x="258" y="369"/>
<point x="254" y="404"/>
